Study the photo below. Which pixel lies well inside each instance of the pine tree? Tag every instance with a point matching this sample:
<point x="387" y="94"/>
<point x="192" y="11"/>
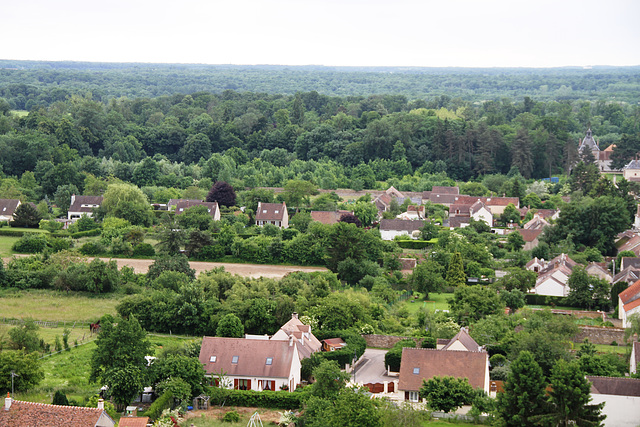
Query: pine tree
<point x="455" y="272"/>
<point x="26" y="216"/>
<point x="523" y="399"/>
<point x="521" y="155"/>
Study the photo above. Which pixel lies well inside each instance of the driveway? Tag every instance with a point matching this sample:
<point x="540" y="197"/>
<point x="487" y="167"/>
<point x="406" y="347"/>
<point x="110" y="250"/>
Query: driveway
<point x="371" y="368"/>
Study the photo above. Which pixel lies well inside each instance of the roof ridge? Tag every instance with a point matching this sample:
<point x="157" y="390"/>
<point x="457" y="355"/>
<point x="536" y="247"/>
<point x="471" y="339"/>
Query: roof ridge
<point x="57" y="406"/>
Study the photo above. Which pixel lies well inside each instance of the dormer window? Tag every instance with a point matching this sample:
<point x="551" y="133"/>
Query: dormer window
<point x="181" y="209"/>
<point x="277" y="211"/>
<point x="264" y="211"/>
<point x="416" y="371"/>
<point x="269" y="361"/>
<point x="234" y="360"/>
<point x="213" y="359"/>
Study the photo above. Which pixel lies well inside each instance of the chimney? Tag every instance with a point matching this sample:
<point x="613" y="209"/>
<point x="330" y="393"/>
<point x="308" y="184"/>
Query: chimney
<point x="100" y="404"/>
<point x="7" y="402"/>
<point x="290" y="340"/>
<point x="294" y="315"/>
<point x="73" y="199"/>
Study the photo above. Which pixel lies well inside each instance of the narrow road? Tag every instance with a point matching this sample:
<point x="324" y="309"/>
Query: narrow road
<point x="372" y="369"/>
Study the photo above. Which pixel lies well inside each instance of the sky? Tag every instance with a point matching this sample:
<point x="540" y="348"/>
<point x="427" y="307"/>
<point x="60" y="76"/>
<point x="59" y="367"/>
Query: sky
<point x="427" y="33"/>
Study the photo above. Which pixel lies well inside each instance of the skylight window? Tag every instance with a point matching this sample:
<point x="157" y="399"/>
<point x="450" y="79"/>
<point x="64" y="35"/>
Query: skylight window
<point x="213" y="359"/>
<point x="264" y="211"/>
<point x="234" y="359"/>
<point x="277" y="211"/>
<point x="269" y="360"/>
<point x="416" y="371"/>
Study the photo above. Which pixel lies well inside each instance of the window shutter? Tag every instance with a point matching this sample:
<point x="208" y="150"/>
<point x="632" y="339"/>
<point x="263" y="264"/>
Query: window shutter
<point x="235" y="383"/>
<point x="248" y="384"/>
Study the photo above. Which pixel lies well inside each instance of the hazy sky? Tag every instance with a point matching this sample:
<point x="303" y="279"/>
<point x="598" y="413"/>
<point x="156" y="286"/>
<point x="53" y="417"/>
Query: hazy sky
<point x="471" y="33"/>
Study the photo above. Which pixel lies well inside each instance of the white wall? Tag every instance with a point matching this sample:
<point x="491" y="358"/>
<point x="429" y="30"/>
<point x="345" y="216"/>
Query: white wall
<point x="550" y="287"/>
<point x="621" y="411"/>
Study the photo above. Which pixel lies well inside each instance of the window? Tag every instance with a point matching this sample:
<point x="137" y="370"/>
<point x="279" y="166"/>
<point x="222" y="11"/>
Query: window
<point x="234" y="359"/>
<point x="264" y="211"/>
<point x="416" y="371"/>
<point x="414" y="396"/>
<point x="242" y="384"/>
<point x="269" y="360"/>
<point x="181" y="209"/>
<point x="213" y="359"/>
<point x="277" y="211"/>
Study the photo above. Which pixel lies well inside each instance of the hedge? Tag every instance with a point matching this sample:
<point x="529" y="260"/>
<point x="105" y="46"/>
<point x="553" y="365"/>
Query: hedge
<point x="79" y="234"/>
<point x="261" y="399"/>
<point x="163" y="402"/>
<point x="414" y="244"/>
<point x="14" y="233"/>
<point x="532" y="299"/>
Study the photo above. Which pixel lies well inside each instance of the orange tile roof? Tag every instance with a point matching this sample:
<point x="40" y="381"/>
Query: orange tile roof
<point x="30" y="414"/>
<point x="133" y="422"/>
<point x="631" y="293"/>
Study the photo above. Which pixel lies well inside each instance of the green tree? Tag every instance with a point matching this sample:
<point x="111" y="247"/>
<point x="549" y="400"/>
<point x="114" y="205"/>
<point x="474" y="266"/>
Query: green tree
<point x="171" y="237"/>
<point x="230" y="326"/>
<point x="62" y="196"/>
<point x="510" y="215"/>
<point x="518" y="278"/>
<point x="515" y="241"/>
<point x="569" y="398"/>
<point x="523" y="399"/>
<point x="471" y="303"/>
<point x="427" y="277"/>
<point x="366" y="212"/>
<point x="25" y="337"/>
<point x="59" y="398"/>
<point x="521" y="153"/>
<point x="429" y="231"/>
<point x="129" y="202"/>
<point x="446" y="393"/>
<point x="298" y="191"/>
<point x="455" y="271"/>
<point x="27" y="367"/>
<point x="119" y="358"/>
<point x="588" y="291"/>
<point x="189" y="369"/>
<point x="353" y="408"/>
<point x="26" y="216"/>
<point x="146" y="173"/>
<point x="329" y="380"/>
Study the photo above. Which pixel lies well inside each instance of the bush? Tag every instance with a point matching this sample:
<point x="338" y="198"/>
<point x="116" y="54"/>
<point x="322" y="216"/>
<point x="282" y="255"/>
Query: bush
<point x="273" y="399"/>
<point x="231" y="417"/>
<point x="14" y="233"/>
<point x="211" y="252"/>
<point x="414" y="244"/>
<point x="92" y="232"/>
<point x="92" y="248"/>
<point x="144" y="250"/>
<point x="30" y="243"/>
<point x="163" y="402"/>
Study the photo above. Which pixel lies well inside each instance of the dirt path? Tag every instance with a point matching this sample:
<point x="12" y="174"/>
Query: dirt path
<point x="244" y="270"/>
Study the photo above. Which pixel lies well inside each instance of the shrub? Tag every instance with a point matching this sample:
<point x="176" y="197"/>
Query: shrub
<point x="231" y="417"/>
<point x="144" y="250"/>
<point x="30" y="243"/>
<point x="273" y="399"/>
<point x="163" y="402"/>
<point x="91" y="248"/>
<point x="211" y="252"/>
<point x="414" y="244"/>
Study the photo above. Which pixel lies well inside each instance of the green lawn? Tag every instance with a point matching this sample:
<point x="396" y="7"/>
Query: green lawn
<point x="49" y="305"/>
<point x="602" y="348"/>
<point x="435" y="302"/>
<point x="6" y="243"/>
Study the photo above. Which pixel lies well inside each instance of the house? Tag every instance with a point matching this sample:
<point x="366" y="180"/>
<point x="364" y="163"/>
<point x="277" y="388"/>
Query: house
<point x="629" y="303"/>
<point x="306" y="342"/>
<point x="18" y="413"/>
<point x="250" y="364"/>
<point x="83" y="205"/>
<point x="461" y="342"/>
<point x="599" y="270"/>
<point x="621" y="398"/>
<point x="383" y="203"/>
<point x="329" y="217"/>
<point x="629" y="241"/>
<point x="536" y="264"/>
<point x="212" y="207"/>
<point x="173" y="203"/>
<point x="133" y="422"/>
<point x="531" y="238"/>
<point x="602" y="157"/>
<point x="413" y="212"/>
<point x="333" y="344"/>
<point x="7" y="208"/>
<point x="272" y="213"/>
<point x="629" y="275"/>
<point x="634" y="361"/>
<point x="552" y="280"/>
<point x="628" y="261"/>
<point x="631" y="172"/>
<point x="536" y="223"/>
<point x="420" y="364"/>
<point x="390" y="228"/>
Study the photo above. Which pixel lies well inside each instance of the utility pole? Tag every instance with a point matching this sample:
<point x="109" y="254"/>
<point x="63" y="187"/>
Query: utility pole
<point x="13" y="375"/>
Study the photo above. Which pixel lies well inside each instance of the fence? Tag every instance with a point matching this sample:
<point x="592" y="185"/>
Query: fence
<point x="46" y="323"/>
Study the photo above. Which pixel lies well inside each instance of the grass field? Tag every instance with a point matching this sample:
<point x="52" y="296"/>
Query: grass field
<point x="6" y="243"/>
<point x="435" y="302"/>
<point x="48" y="305"/>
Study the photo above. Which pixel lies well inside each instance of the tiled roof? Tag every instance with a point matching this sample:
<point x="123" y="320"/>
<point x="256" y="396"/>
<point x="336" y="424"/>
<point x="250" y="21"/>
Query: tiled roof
<point x="465" y="339"/>
<point x="456" y="222"/>
<point x="174" y="202"/>
<point x="535" y="260"/>
<point x="307" y="342"/>
<point x="335" y="341"/>
<point x="615" y="386"/>
<point x="77" y="205"/>
<point x="529" y="235"/>
<point x="546" y="213"/>
<point x="633" y="164"/>
<point x="8" y="206"/>
<point x="459" y="209"/>
<point x="488" y="201"/>
<point x="445" y="190"/>
<point x="133" y="422"/>
<point x="328" y="217"/>
<point x="629" y="274"/>
<point x="183" y="205"/>
<point x="29" y="414"/>
<point x="627" y="261"/>
<point x="251" y="357"/>
<point x="445" y="199"/>
<point x="430" y="363"/>
<point x="401" y="224"/>
<point x="630" y="294"/>
<point x="270" y="211"/>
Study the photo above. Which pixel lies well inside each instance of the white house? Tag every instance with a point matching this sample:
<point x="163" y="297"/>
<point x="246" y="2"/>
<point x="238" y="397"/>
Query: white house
<point x="83" y="205"/>
<point x="552" y="280"/>
<point x="272" y="213"/>
<point x="306" y="342"/>
<point x="212" y="207"/>
<point x="7" y="208"/>
<point x="629" y="303"/>
<point x="251" y="364"/>
<point x="390" y="228"/>
<point x="621" y="398"/>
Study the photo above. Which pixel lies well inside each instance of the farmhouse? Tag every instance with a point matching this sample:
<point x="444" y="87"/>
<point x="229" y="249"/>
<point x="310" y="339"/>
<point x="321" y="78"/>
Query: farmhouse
<point x="83" y="205"/>
<point x="251" y="364"/>
<point x="304" y="340"/>
<point x="7" y="208"/>
<point x="17" y="413"/>
<point x="272" y="213"/>
<point x="212" y="207"/>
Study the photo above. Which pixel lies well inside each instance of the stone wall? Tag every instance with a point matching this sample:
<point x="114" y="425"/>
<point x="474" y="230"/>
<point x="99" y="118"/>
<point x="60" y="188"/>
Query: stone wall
<point x="387" y="341"/>
<point x="600" y="335"/>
